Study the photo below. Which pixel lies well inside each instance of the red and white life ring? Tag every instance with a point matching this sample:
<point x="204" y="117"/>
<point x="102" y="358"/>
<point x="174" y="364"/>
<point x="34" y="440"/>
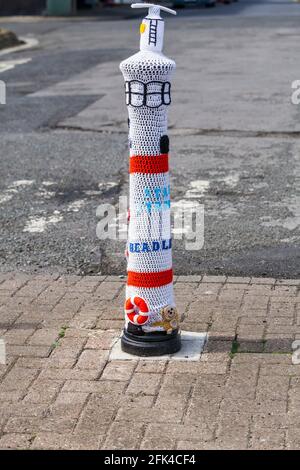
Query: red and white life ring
<point x="137" y="310"/>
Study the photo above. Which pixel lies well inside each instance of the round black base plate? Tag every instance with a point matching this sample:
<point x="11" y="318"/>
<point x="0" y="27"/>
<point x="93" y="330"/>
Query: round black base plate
<point x="150" y="344"/>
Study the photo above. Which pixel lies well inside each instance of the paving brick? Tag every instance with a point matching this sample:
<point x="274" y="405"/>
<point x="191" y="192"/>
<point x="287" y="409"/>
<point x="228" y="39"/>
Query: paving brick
<point x="288" y="282"/>
<point x="60" y="424"/>
<point x="280" y="369"/>
<point x="179" y="384"/>
<point x="87" y="284"/>
<point x="279" y="359"/>
<point x="92" y="359"/>
<point x="167" y="434"/>
<point x="230" y="438"/>
<point x="187" y="325"/>
<point x="44" y="337"/>
<point x="293" y="418"/>
<point x="168" y="409"/>
<point x="3" y="420"/>
<point x="72" y="397"/>
<point x="202" y="368"/>
<point x="253" y="302"/>
<point x="24" y="425"/>
<point x="195" y="445"/>
<point x="269" y="420"/>
<point x="251" y="345"/>
<point x="84" y="322"/>
<point x="293" y="438"/>
<point x="50" y="296"/>
<point x="68" y="344"/>
<point x="98" y="412"/>
<point x="101" y="339"/>
<point x="247" y="312"/>
<point x="75" y="333"/>
<point x="203" y="410"/>
<point x="25" y="409"/>
<point x="12" y="396"/>
<point x="122" y="437"/>
<point x="144" y="384"/>
<point x="259" y="290"/>
<point x="63" y="358"/>
<point x="66" y="280"/>
<point x="263" y="280"/>
<point x="57" y="441"/>
<point x="108" y="290"/>
<point x="213" y="279"/>
<point x="241" y="386"/>
<point x="67" y="307"/>
<point x="15" y="441"/>
<point x="207" y="290"/>
<point x="223" y="323"/>
<point x="68" y="374"/>
<point x="13" y="284"/>
<point x="28" y="350"/>
<point x="43" y="391"/>
<point x="18" y="379"/>
<point x="279" y="321"/>
<point x="136" y="409"/>
<point x="277" y="342"/>
<point x="18" y="336"/>
<point x="193" y="279"/>
<point x="32" y="288"/>
<point x="238" y="280"/>
<point x="94" y="386"/>
<point x="7" y="317"/>
<point x="162" y="442"/>
<point x="284" y="290"/>
<point x="215" y="356"/>
<point x="118" y="370"/>
<point x="234" y="420"/>
<point x="272" y="387"/>
<point x="151" y="367"/>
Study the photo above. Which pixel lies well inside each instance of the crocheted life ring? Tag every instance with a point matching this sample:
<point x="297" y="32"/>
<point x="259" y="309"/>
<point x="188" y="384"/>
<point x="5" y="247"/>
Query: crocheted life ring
<point x="137" y="310"/>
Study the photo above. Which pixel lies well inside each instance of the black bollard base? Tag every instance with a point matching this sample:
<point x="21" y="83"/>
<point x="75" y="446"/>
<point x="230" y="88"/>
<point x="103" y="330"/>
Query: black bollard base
<point x="150" y="344"/>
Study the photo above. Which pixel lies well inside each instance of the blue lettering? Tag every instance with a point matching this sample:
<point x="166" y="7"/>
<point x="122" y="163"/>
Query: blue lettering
<point x="145" y="247"/>
<point x="157" y="192"/>
<point x="164" y="245"/>
<point x="147" y="192"/>
<point x="155" y="246"/>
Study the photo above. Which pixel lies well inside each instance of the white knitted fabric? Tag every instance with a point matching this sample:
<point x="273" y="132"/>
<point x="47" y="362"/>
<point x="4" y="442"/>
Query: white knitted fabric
<point x="149" y="236"/>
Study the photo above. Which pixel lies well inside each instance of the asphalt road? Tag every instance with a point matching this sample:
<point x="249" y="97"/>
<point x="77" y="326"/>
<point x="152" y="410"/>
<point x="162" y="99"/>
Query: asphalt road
<point x="234" y="133"/>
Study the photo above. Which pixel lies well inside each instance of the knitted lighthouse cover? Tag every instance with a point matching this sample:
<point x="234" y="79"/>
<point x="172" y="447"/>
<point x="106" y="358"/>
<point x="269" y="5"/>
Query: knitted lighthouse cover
<point x="149" y="291"/>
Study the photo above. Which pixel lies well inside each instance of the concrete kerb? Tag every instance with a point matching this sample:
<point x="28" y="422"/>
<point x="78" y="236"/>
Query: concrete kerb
<point x="29" y="43"/>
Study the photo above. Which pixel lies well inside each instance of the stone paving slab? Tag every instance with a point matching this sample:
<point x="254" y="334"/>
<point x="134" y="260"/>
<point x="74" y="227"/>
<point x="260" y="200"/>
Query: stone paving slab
<point x="61" y="389"/>
<point x="192" y="345"/>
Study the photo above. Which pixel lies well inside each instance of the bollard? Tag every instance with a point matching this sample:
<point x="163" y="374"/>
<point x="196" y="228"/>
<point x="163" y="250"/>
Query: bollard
<point x="151" y="318"/>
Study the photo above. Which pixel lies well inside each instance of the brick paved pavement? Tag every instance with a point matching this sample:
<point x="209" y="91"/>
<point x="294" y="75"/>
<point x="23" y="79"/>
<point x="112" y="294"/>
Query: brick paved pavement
<point x="58" y="389"/>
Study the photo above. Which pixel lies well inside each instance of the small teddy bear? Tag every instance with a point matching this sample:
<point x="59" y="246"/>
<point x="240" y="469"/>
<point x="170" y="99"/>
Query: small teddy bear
<point x="170" y="319"/>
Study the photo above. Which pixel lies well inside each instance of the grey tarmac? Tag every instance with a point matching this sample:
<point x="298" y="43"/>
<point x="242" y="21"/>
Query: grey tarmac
<point x="234" y="140"/>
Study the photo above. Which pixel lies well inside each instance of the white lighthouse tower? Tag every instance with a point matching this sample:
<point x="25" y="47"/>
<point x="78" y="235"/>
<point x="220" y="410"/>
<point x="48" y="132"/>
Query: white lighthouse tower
<point x="151" y="317"/>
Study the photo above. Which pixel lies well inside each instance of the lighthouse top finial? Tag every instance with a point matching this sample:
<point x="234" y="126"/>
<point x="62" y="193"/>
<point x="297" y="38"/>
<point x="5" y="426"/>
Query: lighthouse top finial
<point x="152" y="27"/>
<point x="154" y="10"/>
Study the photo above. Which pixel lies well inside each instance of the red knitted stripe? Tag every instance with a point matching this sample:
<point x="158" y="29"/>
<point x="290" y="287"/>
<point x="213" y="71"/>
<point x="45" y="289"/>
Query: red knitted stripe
<point x="150" y="279"/>
<point x="149" y="164"/>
